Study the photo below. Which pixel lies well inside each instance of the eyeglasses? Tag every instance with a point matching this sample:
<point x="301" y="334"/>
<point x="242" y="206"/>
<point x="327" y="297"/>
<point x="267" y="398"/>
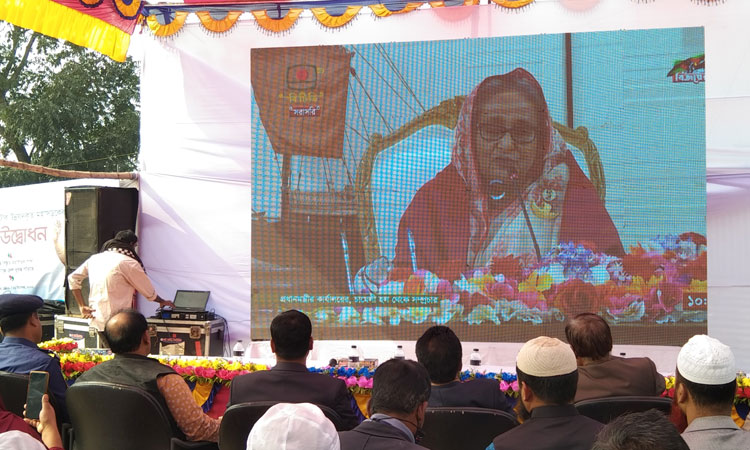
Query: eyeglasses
<point x="521" y="133"/>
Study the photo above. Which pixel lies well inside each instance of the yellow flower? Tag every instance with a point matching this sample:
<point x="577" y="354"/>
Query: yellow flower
<point x="698" y="286"/>
<point x="536" y="283"/>
<point x="482" y="281"/>
<point x="669" y="382"/>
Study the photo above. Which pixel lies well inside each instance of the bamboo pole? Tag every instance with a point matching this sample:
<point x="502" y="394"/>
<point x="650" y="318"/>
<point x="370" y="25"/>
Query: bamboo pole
<point x="68" y="173"/>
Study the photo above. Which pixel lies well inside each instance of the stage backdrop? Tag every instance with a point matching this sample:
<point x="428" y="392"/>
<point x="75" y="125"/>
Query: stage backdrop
<point x="198" y="134"/>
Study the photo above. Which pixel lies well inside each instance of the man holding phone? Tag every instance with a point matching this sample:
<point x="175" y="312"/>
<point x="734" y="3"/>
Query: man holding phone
<point x="19" y="353"/>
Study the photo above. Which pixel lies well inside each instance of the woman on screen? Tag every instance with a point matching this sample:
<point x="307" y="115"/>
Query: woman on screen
<point x="512" y="188"/>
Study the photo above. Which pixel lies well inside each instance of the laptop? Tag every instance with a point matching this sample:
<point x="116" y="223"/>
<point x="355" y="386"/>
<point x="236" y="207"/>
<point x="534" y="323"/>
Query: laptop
<point x="190" y="301"/>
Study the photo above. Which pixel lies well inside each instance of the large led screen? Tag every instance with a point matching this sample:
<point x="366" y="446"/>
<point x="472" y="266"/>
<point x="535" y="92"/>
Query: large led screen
<point x="498" y="186"/>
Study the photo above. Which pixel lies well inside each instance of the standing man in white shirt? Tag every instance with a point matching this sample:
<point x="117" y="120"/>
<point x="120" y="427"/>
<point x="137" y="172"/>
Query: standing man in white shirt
<point x="115" y="274"/>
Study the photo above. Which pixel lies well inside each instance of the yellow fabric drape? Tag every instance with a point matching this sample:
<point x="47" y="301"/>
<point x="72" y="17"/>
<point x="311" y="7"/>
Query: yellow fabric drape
<point x="277" y="25"/>
<point x="381" y="10"/>
<point x="218" y="26"/>
<point x="169" y="29"/>
<point x="513" y="3"/>
<point x="335" y="21"/>
<point x="58" y="21"/>
<point x="202" y="391"/>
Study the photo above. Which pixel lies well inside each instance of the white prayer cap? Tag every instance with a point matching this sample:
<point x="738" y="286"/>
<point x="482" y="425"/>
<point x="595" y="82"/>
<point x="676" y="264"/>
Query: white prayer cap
<point x="705" y="360"/>
<point x="293" y="426"/>
<point x="546" y="357"/>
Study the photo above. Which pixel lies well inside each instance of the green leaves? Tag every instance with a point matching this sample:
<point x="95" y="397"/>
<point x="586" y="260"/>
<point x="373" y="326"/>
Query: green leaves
<point x="64" y="106"/>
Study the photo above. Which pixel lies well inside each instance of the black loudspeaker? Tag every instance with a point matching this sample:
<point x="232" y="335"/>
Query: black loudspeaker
<point x="93" y="215"/>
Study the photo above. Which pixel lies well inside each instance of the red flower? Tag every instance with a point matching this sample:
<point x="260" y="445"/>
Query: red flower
<point x="501" y="290"/>
<point x="471" y="301"/>
<point x="510" y="266"/>
<point x="663" y="298"/>
<point x="641" y="264"/>
<point x="697" y="269"/>
<point x="746" y="392"/>
<point x="533" y="299"/>
<point x="576" y="296"/>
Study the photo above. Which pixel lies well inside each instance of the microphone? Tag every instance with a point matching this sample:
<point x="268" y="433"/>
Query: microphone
<point x="514" y="182"/>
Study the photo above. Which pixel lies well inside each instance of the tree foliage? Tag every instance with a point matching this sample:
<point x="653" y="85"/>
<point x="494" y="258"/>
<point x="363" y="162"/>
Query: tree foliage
<point x="64" y="106"/>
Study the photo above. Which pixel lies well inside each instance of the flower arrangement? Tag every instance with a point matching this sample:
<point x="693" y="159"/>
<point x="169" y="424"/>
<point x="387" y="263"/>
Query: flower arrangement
<point x="358" y="381"/>
<point x="74" y="363"/>
<point x="645" y="285"/>
<point x="211" y="370"/>
<point x="64" y="345"/>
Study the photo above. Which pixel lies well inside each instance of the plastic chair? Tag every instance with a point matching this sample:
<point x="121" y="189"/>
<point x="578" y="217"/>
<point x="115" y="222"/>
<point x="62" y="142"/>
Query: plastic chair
<point x="13" y="388"/>
<point x="478" y="427"/>
<point x="239" y="420"/>
<point x="606" y="409"/>
<point x="121" y="417"/>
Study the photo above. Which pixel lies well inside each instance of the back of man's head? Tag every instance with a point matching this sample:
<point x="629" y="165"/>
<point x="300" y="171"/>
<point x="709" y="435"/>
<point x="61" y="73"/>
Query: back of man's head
<point x="640" y="431"/>
<point x="706" y="368"/>
<point x="548" y="367"/>
<point x="589" y="336"/>
<point x="399" y="386"/>
<point x="124" y="331"/>
<point x="291" y="332"/>
<point x="16" y="310"/>
<point x="13" y="323"/>
<point x="439" y="350"/>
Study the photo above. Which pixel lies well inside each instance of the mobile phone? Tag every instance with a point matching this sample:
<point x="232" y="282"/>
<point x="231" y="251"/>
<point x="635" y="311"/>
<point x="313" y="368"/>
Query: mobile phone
<point x="37" y="388"/>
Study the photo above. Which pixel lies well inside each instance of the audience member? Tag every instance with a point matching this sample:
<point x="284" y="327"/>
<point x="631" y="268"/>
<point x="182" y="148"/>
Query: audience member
<point x="292" y="426"/>
<point x="705" y="384"/>
<point x="289" y="380"/>
<point x="599" y="373"/>
<point x="128" y="337"/>
<point x="19" y="353"/>
<point x="439" y="350"/>
<point x="400" y="391"/>
<point x="17" y="435"/>
<point x="640" y="431"/>
<point x="547" y="379"/>
<point x="10" y="422"/>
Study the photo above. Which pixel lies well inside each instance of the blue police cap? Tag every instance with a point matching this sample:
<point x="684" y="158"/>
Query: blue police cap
<point x="11" y="304"/>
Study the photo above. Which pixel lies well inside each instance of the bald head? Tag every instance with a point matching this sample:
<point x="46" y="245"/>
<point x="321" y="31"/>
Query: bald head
<point x="125" y="330"/>
<point x="589" y="336"/>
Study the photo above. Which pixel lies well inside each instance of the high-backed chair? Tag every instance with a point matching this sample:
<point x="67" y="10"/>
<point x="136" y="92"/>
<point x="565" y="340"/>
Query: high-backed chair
<point x="13" y="388"/>
<point x="120" y="417"/>
<point x="608" y="408"/>
<point x="448" y="428"/>
<point x="239" y="420"/>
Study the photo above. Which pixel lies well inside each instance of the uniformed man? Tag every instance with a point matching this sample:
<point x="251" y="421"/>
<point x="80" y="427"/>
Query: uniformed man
<point x="22" y="331"/>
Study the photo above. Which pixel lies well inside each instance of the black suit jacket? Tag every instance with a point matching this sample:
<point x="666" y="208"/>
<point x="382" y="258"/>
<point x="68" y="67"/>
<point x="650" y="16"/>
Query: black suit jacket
<point x="292" y="383"/>
<point x="619" y="376"/>
<point x="479" y="393"/>
<point x="371" y="435"/>
<point x="551" y="428"/>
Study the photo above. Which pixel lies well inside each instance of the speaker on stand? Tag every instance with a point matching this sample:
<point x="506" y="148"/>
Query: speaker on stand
<point x="93" y="215"/>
